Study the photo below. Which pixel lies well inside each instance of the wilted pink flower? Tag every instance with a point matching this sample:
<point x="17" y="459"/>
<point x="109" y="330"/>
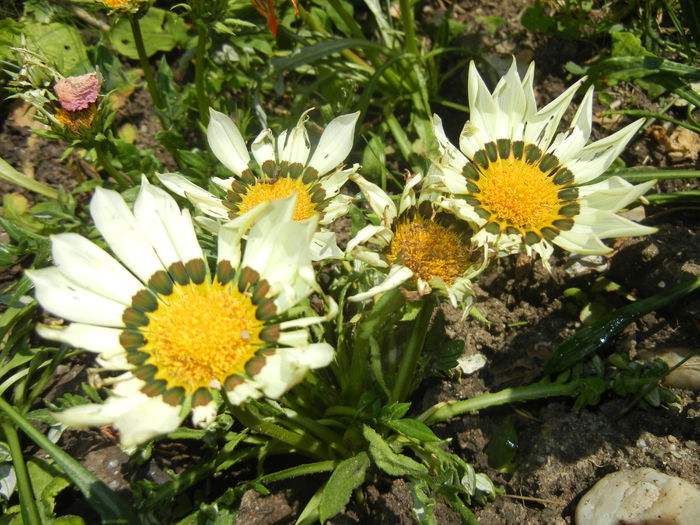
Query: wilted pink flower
<point x="76" y="93"/>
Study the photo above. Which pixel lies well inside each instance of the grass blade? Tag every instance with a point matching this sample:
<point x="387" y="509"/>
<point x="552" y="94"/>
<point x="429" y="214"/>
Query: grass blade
<point x="589" y="339"/>
<point x="112" y="509"/>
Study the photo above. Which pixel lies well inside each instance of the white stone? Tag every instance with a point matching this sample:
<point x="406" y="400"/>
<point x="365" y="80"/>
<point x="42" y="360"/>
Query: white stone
<point x="470" y="364"/>
<point x="640" y="497"/>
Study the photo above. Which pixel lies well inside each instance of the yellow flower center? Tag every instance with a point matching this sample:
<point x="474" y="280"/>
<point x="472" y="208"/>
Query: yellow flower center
<point x="519" y="194"/>
<point x="263" y="191"/>
<point x="205" y="333"/>
<point x="429" y="249"/>
<point x="74" y="120"/>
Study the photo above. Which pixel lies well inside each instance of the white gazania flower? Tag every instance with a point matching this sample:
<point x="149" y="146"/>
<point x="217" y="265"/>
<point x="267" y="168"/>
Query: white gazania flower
<point x="286" y="166"/>
<point x="413" y="244"/>
<point x="175" y="329"/>
<point x="522" y="183"/>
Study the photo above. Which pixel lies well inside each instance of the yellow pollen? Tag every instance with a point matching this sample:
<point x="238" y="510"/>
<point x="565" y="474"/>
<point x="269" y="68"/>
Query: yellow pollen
<point x="74" y="120"/>
<point x="429" y="249"/>
<point x="263" y="191"/>
<point x="518" y="193"/>
<point x="204" y="334"/>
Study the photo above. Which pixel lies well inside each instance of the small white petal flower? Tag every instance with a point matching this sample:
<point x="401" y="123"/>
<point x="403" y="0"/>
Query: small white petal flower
<point x="286" y="165"/>
<point x="182" y="330"/>
<point x="522" y="183"/>
<point x="414" y="245"/>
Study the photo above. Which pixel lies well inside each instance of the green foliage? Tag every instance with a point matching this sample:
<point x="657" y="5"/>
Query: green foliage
<point x="165" y="30"/>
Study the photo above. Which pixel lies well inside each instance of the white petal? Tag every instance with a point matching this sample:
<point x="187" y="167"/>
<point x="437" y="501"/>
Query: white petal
<point x="595" y="158"/>
<point x="169" y="229"/>
<point x="541" y="127"/>
<point x="335" y="143"/>
<point x="125" y="237"/>
<point x="381" y="204"/>
<point x="92" y="338"/>
<point x="333" y="182"/>
<point x="612" y="194"/>
<point x="92" y="268"/>
<point x="231" y="233"/>
<point x="606" y="225"/>
<point x="293" y="146"/>
<point x="364" y="235"/>
<point x="324" y="246"/>
<point x="202" y="199"/>
<point x="243" y="392"/>
<point x="64" y="298"/>
<point x="226" y="142"/>
<point x="263" y="147"/>
<point x="337" y="207"/>
<point x="204" y="415"/>
<point x="581" y="239"/>
<point x="397" y="275"/>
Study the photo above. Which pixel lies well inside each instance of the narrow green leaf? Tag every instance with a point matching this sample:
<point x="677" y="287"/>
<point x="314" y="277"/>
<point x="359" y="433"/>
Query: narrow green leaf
<point x="11" y="175"/>
<point x="111" y="508"/>
<point x="589" y="339"/>
<point x="347" y="476"/>
<point x="414" y="429"/>
<point x="310" y="54"/>
<point x="389" y="461"/>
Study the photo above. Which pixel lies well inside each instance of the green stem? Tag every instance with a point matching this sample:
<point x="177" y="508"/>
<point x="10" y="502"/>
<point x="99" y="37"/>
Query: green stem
<point x="112" y="509"/>
<point x="386" y="304"/>
<point x="409" y="26"/>
<point x="398" y="133"/>
<point x="199" y="68"/>
<point x="321" y="431"/>
<point x="27" y="501"/>
<point x="146" y="66"/>
<point x="167" y="491"/>
<point x="409" y="359"/>
<point x="540" y="390"/>
<point x="304" y="443"/>
<point x="105" y="160"/>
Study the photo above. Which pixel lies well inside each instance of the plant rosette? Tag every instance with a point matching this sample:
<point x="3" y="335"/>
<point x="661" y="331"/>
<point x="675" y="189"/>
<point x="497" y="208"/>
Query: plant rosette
<point x="178" y="331"/>
<point x="286" y="165"/>
<point x="525" y="186"/>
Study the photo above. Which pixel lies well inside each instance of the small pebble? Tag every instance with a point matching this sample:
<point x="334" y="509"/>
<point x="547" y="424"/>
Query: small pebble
<point x="640" y="497"/>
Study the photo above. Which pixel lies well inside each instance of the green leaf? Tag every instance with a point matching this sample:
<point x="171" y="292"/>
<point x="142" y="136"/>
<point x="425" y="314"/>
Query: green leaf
<point x="346" y="477"/>
<point x="503" y="446"/>
<point x="310" y="54"/>
<point x="164" y="30"/>
<point x="589" y="339"/>
<point x="61" y="44"/>
<point x="414" y="429"/>
<point x="389" y="461"/>
<point x="111" y="508"/>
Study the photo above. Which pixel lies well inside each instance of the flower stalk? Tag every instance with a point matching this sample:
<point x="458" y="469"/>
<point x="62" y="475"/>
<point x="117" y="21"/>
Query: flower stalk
<point x="409" y="360"/>
<point x="146" y="65"/>
<point x="29" y="510"/>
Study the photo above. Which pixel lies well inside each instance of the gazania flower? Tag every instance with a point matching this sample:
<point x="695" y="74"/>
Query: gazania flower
<point x="124" y="6"/>
<point x="176" y="330"/>
<point x="522" y="183"/>
<point x="75" y="121"/>
<point x="284" y="166"/>
<point x="415" y="246"/>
